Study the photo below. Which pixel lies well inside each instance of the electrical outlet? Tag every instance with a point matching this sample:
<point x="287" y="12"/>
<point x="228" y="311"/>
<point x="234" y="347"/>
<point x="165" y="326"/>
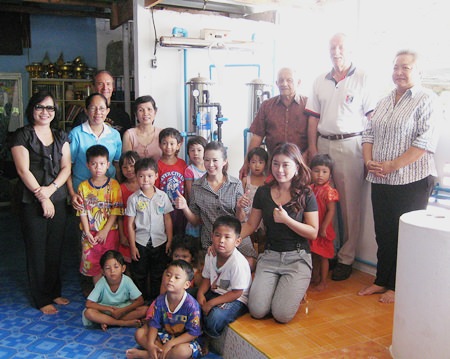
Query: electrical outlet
<point x="154" y="63"/>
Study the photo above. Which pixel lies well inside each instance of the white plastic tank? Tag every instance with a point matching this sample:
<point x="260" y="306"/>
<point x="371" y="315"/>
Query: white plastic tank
<point x="422" y="289"/>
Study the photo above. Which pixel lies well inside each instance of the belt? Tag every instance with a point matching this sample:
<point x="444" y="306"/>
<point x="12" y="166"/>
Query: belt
<point x="340" y="137"/>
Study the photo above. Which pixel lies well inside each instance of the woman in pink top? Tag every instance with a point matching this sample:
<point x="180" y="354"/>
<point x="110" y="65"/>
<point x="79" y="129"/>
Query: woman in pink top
<point x="143" y="138"/>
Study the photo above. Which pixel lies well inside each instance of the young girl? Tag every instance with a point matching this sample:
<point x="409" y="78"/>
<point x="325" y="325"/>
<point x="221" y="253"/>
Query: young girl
<point x="115" y="299"/>
<point x="213" y="195"/>
<point x="322" y="247"/>
<point x="289" y="209"/>
<point x="171" y="173"/>
<point x="196" y="169"/>
<point x="128" y="187"/>
<point x="257" y="159"/>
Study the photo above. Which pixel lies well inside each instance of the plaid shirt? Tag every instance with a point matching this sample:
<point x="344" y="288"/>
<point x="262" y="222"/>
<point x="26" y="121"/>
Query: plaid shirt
<point x="209" y="205"/>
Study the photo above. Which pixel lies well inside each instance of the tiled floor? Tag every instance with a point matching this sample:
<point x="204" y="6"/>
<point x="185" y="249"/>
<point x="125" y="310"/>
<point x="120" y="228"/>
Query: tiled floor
<point x="26" y="333"/>
<point x="338" y="324"/>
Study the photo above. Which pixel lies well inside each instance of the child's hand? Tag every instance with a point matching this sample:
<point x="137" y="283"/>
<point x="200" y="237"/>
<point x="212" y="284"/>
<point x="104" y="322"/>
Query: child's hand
<point x="279" y="214"/>
<point x="180" y="201"/>
<point x="101" y="236"/>
<point x="124" y="241"/>
<point x="154" y="351"/>
<point x="166" y="348"/>
<point x="168" y="245"/>
<point x="77" y="202"/>
<point x="322" y="232"/>
<point x="90" y="238"/>
<point x="211" y="251"/>
<point x="117" y="313"/>
<point x="244" y="201"/>
<point x="206" y="308"/>
<point x="135" y="253"/>
<point x="201" y="300"/>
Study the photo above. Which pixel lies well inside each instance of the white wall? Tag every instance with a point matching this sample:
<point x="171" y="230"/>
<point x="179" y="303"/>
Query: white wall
<point x="166" y="82"/>
<point x="301" y="41"/>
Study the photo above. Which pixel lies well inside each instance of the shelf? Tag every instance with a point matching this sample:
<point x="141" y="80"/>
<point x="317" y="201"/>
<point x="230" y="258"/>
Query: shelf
<point x="68" y="108"/>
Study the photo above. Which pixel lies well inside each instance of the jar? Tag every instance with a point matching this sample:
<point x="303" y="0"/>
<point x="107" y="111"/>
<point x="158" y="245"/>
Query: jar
<point x="69" y="93"/>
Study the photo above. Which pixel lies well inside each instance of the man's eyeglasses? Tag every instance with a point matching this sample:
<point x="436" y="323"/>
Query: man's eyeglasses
<point x="97" y="109"/>
<point x="42" y="108"/>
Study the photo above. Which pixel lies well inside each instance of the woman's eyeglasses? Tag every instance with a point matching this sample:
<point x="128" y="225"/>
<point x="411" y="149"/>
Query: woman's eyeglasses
<point x="42" y="108"/>
<point x="94" y="109"/>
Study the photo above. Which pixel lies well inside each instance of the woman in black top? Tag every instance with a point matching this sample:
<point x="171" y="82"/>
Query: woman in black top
<point x="42" y="158"/>
<point x="289" y="210"/>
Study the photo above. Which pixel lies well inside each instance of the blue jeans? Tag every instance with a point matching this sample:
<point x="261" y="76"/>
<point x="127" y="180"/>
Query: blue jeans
<point x="221" y="315"/>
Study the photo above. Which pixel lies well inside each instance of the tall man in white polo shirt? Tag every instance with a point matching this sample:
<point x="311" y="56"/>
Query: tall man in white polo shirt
<point x="340" y="102"/>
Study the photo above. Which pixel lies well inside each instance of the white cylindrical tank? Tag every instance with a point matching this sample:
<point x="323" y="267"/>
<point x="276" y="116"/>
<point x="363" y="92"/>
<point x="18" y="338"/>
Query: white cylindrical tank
<point x="422" y="289"/>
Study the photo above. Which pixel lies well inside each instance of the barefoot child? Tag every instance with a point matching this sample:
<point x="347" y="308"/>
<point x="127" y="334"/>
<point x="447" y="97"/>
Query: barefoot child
<point x="183" y="247"/>
<point x="115" y="300"/>
<point x="196" y="169"/>
<point x="223" y="293"/>
<point x="171" y="173"/>
<point x="149" y="229"/>
<point x="102" y="204"/>
<point x="257" y="159"/>
<point x="322" y="247"/>
<point x="174" y="319"/>
<point x="128" y="187"/>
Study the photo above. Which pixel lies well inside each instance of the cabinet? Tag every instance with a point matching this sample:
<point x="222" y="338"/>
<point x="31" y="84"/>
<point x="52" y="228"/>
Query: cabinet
<point x="123" y="95"/>
<point x="69" y="94"/>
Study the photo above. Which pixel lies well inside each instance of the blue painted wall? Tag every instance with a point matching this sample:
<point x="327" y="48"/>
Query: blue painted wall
<point x="73" y="36"/>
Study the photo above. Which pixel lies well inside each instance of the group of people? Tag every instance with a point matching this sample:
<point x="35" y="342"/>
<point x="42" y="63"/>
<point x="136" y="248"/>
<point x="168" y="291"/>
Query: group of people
<point x="319" y="150"/>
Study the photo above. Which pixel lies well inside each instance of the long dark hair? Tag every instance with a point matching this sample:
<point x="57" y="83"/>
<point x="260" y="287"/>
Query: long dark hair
<point x="301" y="180"/>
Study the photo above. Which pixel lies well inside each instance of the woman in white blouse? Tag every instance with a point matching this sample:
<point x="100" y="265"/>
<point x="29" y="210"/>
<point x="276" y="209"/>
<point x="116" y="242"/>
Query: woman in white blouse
<point x="398" y="147"/>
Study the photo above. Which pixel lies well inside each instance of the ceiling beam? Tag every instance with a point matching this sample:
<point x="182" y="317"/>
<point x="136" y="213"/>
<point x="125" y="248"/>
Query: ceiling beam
<point x="53" y="11"/>
<point x="91" y="3"/>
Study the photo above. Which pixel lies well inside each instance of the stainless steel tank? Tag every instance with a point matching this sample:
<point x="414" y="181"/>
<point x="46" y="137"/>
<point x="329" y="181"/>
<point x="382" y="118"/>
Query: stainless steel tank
<point x="258" y="92"/>
<point x="200" y="117"/>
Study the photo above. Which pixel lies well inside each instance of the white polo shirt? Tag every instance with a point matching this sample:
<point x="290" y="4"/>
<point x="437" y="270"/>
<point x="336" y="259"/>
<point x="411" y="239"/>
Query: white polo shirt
<point x="341" y="106"/>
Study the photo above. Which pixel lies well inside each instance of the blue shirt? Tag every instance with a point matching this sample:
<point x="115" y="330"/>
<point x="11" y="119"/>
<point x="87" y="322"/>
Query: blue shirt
<point x="81" y="138"/>
<point x="123" y="296"/>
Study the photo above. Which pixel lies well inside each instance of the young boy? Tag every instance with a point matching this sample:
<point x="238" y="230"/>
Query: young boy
<point x="115" y="299"/>
<point x="223" y="292"/>
<point x="174" y="319"/>
<point x="149" y="229"/>
<point x="102" y="203"/>
<point x="171" y="173"/>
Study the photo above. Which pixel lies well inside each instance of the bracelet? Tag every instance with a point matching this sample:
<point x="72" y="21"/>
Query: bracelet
<point x="56" y="185"/>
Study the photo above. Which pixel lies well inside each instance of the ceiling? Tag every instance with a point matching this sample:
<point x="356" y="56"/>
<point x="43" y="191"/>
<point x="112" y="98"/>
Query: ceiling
<point x="120" y="11"/>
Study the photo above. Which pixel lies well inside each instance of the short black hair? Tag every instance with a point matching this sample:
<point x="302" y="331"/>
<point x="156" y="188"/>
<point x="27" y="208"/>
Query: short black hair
<point x="185" y="266"/>
<point x="196" y="140"/>
<point x="228" y="221"/>
<point x="97" y="151"/>
<point x="144" y="99"/>
<point x="88" y="100"/>
<point x="170" y="132"/>
<point x="260" y="152"/>
<point x="322" y="160"/>
<point x="146" y="163"/>
<point x="111" y="254"/>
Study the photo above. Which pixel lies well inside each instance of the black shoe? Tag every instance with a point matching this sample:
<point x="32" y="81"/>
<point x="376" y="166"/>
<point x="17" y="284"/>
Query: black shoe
<point x="341" y="272"/>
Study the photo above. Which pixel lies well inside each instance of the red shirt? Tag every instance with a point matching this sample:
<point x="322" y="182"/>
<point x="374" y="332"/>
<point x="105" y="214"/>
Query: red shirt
<point x="278" y="123"/>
